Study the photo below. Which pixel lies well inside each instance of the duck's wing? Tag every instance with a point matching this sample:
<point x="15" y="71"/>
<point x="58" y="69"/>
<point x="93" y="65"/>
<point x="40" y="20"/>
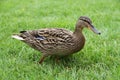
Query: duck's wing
<point x="48" y="38"/>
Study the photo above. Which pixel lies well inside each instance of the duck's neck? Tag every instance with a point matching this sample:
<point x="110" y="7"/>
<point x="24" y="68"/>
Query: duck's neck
<point x="79" y="39"/>
<point x="78" y="32"/>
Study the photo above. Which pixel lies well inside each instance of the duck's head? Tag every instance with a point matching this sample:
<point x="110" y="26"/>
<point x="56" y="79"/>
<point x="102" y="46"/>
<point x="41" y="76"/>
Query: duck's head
<point x="84" y="21"/>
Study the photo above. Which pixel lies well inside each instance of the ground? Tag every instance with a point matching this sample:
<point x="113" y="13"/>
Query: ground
<point x="98" y="60"/>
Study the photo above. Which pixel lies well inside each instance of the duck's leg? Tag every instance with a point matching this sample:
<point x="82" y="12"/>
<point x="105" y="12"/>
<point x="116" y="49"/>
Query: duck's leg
<point x="57" y="59"/>
<point x="42" y="59"/>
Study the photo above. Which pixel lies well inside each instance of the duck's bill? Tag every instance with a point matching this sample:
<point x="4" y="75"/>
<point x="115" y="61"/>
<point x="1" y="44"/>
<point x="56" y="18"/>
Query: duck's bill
<point x="94" y="29"/>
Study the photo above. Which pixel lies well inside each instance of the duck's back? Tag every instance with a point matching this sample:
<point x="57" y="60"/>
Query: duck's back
<point x="50" y="41"/>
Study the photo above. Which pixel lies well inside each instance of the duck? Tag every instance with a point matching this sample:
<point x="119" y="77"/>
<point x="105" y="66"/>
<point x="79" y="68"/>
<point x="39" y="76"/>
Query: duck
<point x="57" y="41"/>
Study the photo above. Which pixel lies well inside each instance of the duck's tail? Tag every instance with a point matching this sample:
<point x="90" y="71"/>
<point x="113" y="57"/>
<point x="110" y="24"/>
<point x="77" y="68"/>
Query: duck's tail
<point x="16" y="36"/>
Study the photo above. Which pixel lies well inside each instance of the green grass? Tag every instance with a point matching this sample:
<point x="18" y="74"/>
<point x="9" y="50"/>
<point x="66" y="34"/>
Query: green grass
<point x="99" y="60"/>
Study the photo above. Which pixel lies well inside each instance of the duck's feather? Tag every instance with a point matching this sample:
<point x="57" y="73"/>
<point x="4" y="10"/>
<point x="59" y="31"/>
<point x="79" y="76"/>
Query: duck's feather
<point x="49" y="39"/>
<point x="17" y="37"/>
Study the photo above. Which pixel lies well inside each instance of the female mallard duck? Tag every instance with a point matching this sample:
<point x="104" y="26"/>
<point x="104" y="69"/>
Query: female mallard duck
<point x="55" y="41"/>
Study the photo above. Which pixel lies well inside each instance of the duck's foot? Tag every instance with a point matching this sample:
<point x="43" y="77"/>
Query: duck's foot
<point x="57" y="59"/>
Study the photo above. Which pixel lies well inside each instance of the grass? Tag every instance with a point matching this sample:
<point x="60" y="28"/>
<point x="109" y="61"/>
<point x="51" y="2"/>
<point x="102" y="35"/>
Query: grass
<point x="99" y="60"/>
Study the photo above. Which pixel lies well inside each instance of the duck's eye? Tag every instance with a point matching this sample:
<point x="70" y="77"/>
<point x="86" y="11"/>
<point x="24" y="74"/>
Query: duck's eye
<point x="87" y="21"/>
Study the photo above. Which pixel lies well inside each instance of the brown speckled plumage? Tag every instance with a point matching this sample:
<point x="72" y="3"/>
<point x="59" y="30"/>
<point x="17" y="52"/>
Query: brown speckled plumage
<point x="55" y="41"/>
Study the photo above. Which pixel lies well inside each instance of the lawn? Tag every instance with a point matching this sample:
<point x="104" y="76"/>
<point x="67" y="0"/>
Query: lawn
<point x="98" y="60"/>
